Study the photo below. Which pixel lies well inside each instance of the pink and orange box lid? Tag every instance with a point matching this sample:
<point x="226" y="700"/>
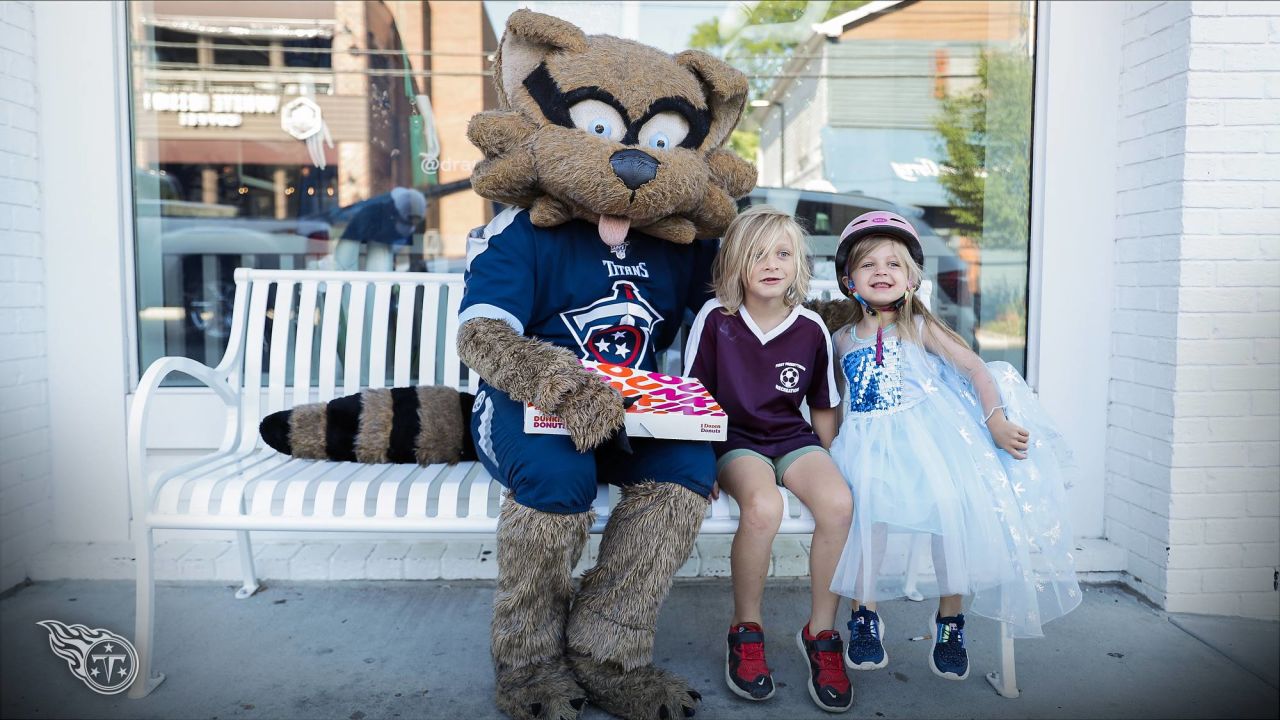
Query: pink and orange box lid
<point x="666" y="406"/>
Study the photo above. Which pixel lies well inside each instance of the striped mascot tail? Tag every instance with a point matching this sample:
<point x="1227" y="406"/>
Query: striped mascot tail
<point x="423" y="425"/>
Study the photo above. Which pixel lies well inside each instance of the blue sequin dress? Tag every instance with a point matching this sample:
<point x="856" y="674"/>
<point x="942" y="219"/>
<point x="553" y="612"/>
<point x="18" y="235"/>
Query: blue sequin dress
<point x="917" y="454"/>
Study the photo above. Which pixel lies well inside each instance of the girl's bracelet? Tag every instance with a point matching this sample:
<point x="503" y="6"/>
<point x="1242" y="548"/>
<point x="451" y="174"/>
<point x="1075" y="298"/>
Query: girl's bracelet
<point x="993" y="412"/>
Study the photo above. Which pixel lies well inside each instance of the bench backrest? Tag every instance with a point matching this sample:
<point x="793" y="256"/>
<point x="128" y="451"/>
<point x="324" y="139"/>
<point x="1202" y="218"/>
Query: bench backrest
<point x="302" y="336"/>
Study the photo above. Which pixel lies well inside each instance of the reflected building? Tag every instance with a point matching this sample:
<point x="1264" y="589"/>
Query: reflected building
<point x="260" y="130"/>
<point x="219" y="87"/>
<point x="854" y="113"/>
<point x="861" y="95"/>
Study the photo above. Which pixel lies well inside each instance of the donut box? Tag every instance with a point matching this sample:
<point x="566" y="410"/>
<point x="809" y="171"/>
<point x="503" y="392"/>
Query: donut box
<point x="666" y="406"/>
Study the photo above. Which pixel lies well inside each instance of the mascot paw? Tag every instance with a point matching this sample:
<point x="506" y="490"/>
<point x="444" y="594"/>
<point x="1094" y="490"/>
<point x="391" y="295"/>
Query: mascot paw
<point x="543" y="691"/>
<point x="592" y="414"/>
<point x="645" y="693"/>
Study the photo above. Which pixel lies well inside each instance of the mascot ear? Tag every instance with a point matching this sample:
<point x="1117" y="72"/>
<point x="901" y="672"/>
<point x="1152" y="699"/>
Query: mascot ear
<point x="529" y="38"/>
<point x="726" y="91"/>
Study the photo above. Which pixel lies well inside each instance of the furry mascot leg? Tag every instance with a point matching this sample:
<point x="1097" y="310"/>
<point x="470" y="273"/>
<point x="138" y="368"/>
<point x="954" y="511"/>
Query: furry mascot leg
<point x="536" y="554"/>
<point x="649" y="536"/>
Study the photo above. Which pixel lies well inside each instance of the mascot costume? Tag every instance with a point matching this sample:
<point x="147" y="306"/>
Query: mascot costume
<point x="611" y="156"/>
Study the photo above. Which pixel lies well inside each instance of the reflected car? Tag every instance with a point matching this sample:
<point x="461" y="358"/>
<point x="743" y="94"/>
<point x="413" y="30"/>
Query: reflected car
<point x="825" y="214"/>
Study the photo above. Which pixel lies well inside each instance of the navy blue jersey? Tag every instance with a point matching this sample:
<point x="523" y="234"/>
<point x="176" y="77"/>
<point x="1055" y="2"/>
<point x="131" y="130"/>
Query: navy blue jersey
<point x="565" y="286"/>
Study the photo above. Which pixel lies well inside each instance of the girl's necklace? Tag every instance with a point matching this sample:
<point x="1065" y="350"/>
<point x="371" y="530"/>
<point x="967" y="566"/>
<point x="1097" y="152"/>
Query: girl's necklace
<point x="854" y="331"/>
<point x="879" y="341"/>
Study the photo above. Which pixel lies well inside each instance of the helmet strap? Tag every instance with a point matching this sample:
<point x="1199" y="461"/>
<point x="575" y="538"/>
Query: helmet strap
<point x="871" y="310"/>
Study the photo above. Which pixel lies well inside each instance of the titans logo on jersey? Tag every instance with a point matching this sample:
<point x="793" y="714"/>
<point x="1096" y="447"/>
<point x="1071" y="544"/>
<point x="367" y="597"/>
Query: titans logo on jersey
<point x="596" y="308"/>
<point x="615" y="329"/>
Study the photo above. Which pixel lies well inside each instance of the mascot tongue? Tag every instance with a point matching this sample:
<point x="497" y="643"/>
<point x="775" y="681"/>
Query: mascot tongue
<point x="613" y="229"/>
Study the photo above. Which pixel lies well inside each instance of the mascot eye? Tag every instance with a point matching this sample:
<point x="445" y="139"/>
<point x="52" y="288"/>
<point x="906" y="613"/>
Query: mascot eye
<point x="598" y="118"/>
<point x="664" y="131"/>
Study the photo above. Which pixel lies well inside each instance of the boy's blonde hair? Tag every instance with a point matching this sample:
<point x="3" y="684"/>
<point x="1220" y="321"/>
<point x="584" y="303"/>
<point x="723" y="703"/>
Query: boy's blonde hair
<point x="913" y="306"/>
<point x="751" y="235"/>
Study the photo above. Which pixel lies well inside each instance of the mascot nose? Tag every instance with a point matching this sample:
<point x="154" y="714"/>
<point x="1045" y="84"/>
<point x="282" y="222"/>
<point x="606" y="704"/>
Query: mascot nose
<point x="634" y="167"/>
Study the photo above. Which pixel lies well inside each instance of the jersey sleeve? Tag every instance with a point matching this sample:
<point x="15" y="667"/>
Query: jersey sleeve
<point x="501" y="271"/>
<point x="823" y="392"/>
<point x="700" y="352"/>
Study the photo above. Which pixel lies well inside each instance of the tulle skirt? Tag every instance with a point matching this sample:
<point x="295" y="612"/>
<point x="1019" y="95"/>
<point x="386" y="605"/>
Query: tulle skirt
<point x="997" y="528"/>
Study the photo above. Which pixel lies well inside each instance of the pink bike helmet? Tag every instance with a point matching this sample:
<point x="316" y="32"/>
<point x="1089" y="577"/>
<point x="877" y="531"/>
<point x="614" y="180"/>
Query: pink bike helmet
<point x="876" y="222"/>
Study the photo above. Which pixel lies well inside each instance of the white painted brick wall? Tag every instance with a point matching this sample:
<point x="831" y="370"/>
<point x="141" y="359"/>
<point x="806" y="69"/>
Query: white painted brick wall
<point x="26" y="505"/>
<point x="1194" y="425"/>
<point x="1147" y="277"/>
<point x="1227" y="406"/>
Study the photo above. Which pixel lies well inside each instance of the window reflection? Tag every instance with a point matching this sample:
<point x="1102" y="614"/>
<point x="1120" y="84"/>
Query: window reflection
<point x="922" y="108"/>
<point x="262" y="131"/>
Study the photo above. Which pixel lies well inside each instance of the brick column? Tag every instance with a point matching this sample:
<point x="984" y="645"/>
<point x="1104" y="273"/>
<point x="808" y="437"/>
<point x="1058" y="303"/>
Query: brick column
<point x="1193" y="462"/>
<point x="26" y="505"/>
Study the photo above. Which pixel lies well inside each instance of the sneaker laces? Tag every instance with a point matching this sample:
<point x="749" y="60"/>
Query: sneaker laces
<point x="751" y="663"/>
<point x="831" y="668"/>
<point x="866" y="633"/>
<point x="952" y="645"/>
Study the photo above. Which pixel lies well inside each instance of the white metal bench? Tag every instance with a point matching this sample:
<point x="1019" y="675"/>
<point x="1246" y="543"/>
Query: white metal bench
<point x="309" y="336"/>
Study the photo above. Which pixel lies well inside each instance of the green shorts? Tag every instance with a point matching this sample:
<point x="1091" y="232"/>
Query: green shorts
<point x="779" y="464"/>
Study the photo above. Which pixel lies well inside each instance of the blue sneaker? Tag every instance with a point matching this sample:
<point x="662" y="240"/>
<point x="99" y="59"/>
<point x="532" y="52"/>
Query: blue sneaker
<point x="949" y="660"/>
<point x="866" y="645"/>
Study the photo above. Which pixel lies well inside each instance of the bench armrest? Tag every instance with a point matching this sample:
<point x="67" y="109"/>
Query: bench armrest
<point x="216" y="380"/>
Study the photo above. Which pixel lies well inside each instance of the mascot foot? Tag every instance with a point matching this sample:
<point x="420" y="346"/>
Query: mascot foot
<point x="543" y="691"/>
<point x="644" y="693"/>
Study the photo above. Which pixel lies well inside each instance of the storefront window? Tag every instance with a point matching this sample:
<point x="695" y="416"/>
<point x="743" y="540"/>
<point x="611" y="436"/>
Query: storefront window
<point x="263" y="130"/>
<point x="922" y="108"/>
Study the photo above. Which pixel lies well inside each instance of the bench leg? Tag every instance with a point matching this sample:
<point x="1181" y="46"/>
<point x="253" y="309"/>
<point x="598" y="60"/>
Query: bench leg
<point x="250" y="585"/>
<point x="1005" y="681"/>
<point x="144" y="617"/>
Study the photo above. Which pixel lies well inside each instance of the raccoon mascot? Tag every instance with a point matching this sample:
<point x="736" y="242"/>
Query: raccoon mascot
<point x="611" y="156"/>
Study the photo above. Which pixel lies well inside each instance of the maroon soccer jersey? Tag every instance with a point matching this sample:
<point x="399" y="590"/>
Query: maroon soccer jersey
<point x="760" y="378"/>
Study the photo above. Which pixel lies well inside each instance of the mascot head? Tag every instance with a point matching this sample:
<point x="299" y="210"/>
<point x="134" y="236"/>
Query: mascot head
<point x="611" y="131"/>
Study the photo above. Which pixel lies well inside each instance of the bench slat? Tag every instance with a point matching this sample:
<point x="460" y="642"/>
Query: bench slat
<point x="404" y="334"/>
<point x="450" y="482"/>
<point x="329" y="340"/>
<point x="478" y="493"/>
<point x="327" y="491"/>
<point x="393" y="486"/>
<point x="295" y="495"/>
<point x="427" y="353"/>
<point x="251" y="382"/>
<point x="302" y="343"/>
<point x="378" y="335"/>
<point x="280" y="326"/>
<point x="357" y="487"/>
<point x="451" y="365"/>
<point x="355" y="340"/>
<point x="241" y="475"/>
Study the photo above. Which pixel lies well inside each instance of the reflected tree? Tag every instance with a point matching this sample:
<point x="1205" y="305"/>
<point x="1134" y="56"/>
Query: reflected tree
<point x="758" y="41"/>
<point x="985" y="133"/>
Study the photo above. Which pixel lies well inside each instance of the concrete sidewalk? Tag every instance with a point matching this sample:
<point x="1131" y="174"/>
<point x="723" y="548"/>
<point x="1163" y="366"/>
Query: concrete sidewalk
<point x="366" y="650"/>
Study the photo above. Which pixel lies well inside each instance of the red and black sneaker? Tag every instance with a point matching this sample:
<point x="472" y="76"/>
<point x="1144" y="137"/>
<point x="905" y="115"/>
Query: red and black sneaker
<point x="745" y="670"/>
<point x="828" y="683"/>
